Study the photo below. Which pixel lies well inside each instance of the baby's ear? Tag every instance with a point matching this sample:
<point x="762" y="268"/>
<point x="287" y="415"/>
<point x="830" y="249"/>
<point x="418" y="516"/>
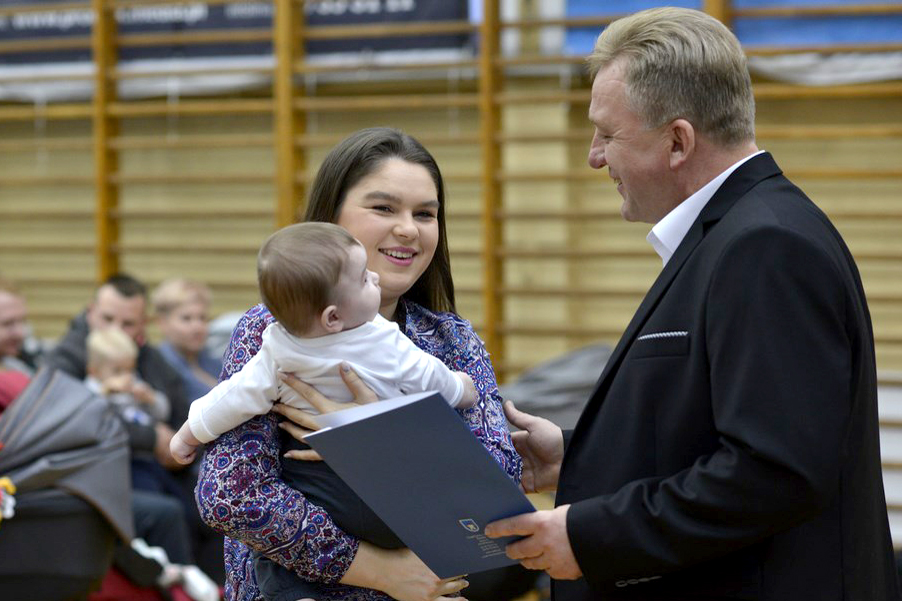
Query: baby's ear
<point x="331" y="320"/>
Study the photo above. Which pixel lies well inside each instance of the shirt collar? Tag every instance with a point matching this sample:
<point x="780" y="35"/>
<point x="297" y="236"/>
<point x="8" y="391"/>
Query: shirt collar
<point x="666" y="235"/>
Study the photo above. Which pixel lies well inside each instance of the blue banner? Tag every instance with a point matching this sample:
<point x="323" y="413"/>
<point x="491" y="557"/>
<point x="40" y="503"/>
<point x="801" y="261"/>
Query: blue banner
<point x="754" y="31"/>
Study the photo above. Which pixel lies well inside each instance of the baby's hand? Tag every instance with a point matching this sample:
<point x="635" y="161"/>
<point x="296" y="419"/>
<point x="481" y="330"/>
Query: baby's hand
<point x="143" y="393"/>
<point x="181" y="449"/>
<point x="470" y="396"/>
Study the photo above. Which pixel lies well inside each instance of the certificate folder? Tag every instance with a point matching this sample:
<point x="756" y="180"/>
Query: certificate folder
<point x="418" y="466"/>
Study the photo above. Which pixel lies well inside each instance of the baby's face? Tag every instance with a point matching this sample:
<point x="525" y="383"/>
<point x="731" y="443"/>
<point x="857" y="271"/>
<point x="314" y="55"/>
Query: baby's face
<point x="120" y="371"/>
<point x="358" y="292"/>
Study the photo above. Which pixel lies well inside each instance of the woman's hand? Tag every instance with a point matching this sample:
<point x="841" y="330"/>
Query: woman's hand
<point x="400" y="574"/>
<point x="302" y="423"/>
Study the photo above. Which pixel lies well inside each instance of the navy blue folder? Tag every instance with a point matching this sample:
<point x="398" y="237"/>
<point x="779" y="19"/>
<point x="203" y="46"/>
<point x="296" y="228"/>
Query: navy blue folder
<point x="418" y="466"/>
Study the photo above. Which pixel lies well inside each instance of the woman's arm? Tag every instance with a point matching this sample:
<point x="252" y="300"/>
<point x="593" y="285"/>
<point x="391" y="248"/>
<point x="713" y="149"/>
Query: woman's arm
<point x="241" y="494"/>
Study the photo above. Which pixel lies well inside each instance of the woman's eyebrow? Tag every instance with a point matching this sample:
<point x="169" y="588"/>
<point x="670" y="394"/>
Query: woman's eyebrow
<point x="380" y="195"/>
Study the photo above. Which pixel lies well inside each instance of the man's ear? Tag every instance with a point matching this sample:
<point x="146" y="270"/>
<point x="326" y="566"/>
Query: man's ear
<point x="331" y="320"/>
<point x="682" y="142"/>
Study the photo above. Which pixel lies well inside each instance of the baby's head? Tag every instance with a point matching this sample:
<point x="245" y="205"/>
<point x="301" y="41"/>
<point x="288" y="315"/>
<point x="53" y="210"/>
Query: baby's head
<point x="111" y="354"/>
<point x="313" y="279"/>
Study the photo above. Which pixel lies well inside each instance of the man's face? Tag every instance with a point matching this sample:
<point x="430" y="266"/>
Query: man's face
<point x="12" y="323"/>
<point x="112" y="309"/>
<point x="637" y="158"/>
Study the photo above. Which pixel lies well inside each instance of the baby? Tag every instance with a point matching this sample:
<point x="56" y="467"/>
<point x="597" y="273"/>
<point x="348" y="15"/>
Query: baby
<point x="112" y="358"/>
<point x="313" y="279"/>
<point x="111" y="363"/>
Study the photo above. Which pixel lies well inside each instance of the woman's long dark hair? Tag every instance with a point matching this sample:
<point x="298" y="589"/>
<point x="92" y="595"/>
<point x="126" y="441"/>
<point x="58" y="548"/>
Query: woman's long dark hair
<point x="356" y="157"/>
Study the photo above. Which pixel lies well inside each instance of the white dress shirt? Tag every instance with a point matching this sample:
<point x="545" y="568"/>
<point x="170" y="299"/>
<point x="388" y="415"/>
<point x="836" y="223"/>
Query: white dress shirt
<point x="666" y="235"/>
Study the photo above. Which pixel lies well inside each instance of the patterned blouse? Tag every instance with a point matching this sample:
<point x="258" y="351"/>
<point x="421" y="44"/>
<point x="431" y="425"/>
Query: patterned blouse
<point x="240" y="492"/>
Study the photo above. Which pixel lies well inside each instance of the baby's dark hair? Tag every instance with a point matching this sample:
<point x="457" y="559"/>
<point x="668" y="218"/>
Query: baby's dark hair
<point x="298" y="268"/>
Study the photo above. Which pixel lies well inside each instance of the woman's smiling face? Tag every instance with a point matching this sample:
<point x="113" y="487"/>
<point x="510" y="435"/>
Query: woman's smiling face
<point x="393" y="212"/>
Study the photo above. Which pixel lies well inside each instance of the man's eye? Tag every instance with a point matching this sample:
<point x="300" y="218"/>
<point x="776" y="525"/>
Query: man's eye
<point x="382" y="208"/>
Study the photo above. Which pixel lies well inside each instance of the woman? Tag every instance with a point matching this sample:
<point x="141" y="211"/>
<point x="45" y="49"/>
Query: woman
<point x="182" y="310"/>
<point x="386" y="189"/>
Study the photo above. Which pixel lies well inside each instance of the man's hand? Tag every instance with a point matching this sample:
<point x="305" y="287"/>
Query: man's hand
<point x="541" y="445"/>
<point x="546" y="546"/>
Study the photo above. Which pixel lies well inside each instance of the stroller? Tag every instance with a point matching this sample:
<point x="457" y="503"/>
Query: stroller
<point x="67" y="455"/>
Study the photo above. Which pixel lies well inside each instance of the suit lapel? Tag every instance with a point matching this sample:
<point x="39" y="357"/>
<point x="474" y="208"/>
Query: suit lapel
<point x="736" y="185"/>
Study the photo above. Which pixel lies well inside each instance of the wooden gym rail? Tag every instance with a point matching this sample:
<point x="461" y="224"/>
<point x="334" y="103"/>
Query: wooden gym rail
<point x="825" y="10"/>
<point x="51" y="111"/>
<point x="105" y="127"/>
<point x="288" y="50"/>
<point x="490" y="82"/>
<point x="303" y="68"/>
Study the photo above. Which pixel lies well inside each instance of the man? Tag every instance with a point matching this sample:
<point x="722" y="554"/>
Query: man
<point x="730" y="448"/>
<point x="14" y="371"/>
<point x="13" y="328"/>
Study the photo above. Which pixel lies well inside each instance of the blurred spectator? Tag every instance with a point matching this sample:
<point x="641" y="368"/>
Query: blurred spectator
<point x="182" y="311"/>
<point x="112" y="357"/>
<point x="13" y="328"/>
<point x="14" y="372"/>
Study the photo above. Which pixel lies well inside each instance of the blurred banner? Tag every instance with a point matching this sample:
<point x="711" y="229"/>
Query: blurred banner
<point x="57" y="23"/>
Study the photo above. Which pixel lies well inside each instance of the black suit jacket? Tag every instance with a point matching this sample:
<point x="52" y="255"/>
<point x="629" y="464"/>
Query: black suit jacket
<point x="730" y="449"/>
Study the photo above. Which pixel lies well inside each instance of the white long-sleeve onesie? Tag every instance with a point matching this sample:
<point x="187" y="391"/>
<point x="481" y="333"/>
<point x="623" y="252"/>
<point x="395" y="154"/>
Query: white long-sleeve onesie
<point x="377" y="351"/>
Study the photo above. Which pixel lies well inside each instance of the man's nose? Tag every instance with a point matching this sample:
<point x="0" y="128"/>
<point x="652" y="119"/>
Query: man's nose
<point x="596" y="154"/>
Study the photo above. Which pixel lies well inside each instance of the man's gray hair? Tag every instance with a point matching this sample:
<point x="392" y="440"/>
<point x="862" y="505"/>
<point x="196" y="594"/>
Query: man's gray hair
<point x="681" y="64"/>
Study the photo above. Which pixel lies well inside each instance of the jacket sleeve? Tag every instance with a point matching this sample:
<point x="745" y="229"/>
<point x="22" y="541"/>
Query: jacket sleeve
<point x="779" y="354"/>
<point x="241" y="494"/>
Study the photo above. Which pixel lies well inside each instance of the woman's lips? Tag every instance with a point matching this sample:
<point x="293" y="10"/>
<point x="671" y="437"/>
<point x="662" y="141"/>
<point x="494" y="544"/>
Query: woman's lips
<point x="398" y="256"/>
